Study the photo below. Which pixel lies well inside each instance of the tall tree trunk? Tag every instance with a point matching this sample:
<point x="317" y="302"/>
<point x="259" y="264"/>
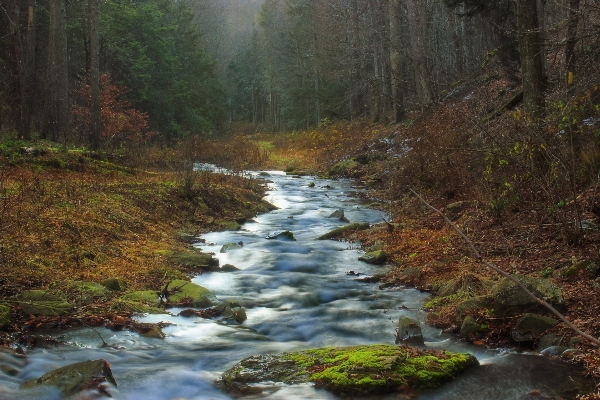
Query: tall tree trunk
<point x="27" y="93"/>
<point x="15" y="60"/>
<point x="94" y="74"/>
<point x="417" y="17"/>
<point x="456" y="46"/>
<point x="56" y="99"/>
<point x="571" y="40"/>
<point x="531" y="58"/>
<point x="396" y="60"/>
<point x="541" y="16"/>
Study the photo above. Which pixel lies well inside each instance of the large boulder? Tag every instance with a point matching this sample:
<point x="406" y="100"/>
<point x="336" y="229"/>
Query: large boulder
<point x="470" y="327"/>
<point x="343" y="168"/>
<point x="42" y="302"/>
<point x="337" y="232"/>
<point x="339" y="214"/>
<point x="115" y="284"/>
<point x="409" y="331"/>
<point x="473" y="305"/>
<point x="531" y="326"/>
<point x="348" y="371"/>
<point x="510" y="299"/>
<point x="187" y="292"/>
<point x="75" y="378"/>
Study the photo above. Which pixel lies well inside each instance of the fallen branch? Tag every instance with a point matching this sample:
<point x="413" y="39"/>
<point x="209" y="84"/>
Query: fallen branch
<point x="507" y="275"/>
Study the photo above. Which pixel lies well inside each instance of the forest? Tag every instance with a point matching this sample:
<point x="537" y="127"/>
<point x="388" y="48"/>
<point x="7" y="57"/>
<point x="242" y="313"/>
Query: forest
<point x="472" y="126"/>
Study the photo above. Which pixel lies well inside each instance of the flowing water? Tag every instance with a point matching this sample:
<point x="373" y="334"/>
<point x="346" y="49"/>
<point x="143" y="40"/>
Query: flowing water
<point x="298" y="296"/>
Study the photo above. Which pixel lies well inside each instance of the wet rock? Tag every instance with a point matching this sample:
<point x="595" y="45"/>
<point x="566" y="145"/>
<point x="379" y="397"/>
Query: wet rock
<point x="188" y="292"/>
<point x="115" y="284"/>
<point x="281" y="235"/>
<point x="553" y="351"/>
<point x="4" y="316"/>
<point x="509" y="299"/>
<point x="375" y="257"/>
<point x="337" y="232"/>
<point x="230" y="247"/>
<point x="75" y="378"/>
<point x="11" y="362"/>
<point x="42" y="302"/>
<point x="531" y="326"/>
<point x="311" y="185"/>
<point x="196" y="260"/>
<point x="187" y="237"/>
<point x="469" y="327"/>
<point x="229" y="225"/>
<point x="237" y="314"/>
<point x="347" y="371"/>
<point x="229" y="268"/>
<point x="586" y="265"/>
<point x="548" y="341"/>
<point x="339" y="214"/>
<point x="409" y="331"/>
<point x="155" y="331"/>
<point x="472" y="305"/>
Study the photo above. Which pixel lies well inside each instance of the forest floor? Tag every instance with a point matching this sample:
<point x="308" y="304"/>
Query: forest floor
<point x="68" y="216"/>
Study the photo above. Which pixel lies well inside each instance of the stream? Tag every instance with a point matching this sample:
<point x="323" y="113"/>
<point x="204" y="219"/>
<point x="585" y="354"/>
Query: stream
<point x="297" y="296"/>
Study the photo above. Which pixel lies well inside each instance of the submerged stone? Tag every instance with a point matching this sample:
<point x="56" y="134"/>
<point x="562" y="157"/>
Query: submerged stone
<point x="355" y="371"/>
<point x="75" y="378"/>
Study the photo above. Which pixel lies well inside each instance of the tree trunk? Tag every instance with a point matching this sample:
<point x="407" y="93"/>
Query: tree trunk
<point x="94" y="75"/>
<point x="417" y="17"/>
<point x="396" y="60"/>
<point x="15" y="61"/>
<point x="456" y="46"/>
<point x="531" y="58"/>
<point x="571" y="40"/>
<point x="27" y="93"/>
<point x="56" y="100"/>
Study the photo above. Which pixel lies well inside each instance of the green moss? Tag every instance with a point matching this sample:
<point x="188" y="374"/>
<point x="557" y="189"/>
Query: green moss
<point x="143" y="296"/>
<point x="4" y="316"/>
<point x="190" y="292"/>
<point x="337" y="232"/>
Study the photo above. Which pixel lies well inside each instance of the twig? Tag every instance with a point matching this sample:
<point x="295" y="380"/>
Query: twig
<point x="512" y="278"/>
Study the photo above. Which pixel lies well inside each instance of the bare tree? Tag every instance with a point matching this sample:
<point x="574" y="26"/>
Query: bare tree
<point x="395" y="11"/>
<point x="94" y="74"/>
<point x="531" y="57"/>
<point x="417" y="17"/>
<point x="27" y="92"/>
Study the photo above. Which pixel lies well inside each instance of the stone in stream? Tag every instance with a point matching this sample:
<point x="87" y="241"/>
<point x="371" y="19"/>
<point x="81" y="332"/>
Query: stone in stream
<point x="339" y="214"/>
<point x="347" y="371"/>
<point x="374" y="257"/>
<point x="75" y="378"/>
<point x="337" y="232"/>
<point x="230" y="247"/>
<point x="181" y="291"/>
<point x="281" y="235"/>
<point x="409" y="331"/>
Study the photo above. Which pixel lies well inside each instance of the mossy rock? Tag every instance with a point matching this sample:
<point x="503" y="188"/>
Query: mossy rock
<point x="195" y="260"/>
<point x="265" y="206"/>
<point x="472" y="305"/>
<point x="348" y="228"/>
<point x="469" y="327"/>
<point x="586" y="265"/>
<point x="510" y="299"/>
<point x="374" y="257"/>
<point x="125" y="305"/>
<point x="229" y="268"/>
<point x="188" y="292"/>
<point x="343" y="168"/>
<point x="531" y="326"/>
<point x="409" y="331"/>
<point x="149" y="297"/>
<point x="75" y="378"/>
<point x="82" y="292"/>
<point x="42" y="302"/>
<point x="229" y="225"/>
<point x="454" y="210"/>
<point x="115" y="284"/>
<point x="155" y="331"/>
<point x="348" y="371"/>
<point x="4" y="316"/>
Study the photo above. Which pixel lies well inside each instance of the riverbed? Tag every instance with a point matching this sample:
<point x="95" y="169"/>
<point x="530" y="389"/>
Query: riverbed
<point x="298" y="295"/>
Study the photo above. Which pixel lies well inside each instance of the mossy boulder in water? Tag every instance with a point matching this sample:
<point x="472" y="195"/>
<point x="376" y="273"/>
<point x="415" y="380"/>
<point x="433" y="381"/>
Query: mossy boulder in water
<point x="281" y="235"/>
<point x="188" y="292"/>
<point x="337" y="232"/>
<point x="196" y="260"/>
<point x="374" y="257"/>
<point x="75" y="378"/>
<point x="357" y="370"/>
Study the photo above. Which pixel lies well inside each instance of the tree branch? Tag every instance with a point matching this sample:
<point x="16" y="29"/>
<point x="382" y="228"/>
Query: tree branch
<point x="478" y="257"/>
